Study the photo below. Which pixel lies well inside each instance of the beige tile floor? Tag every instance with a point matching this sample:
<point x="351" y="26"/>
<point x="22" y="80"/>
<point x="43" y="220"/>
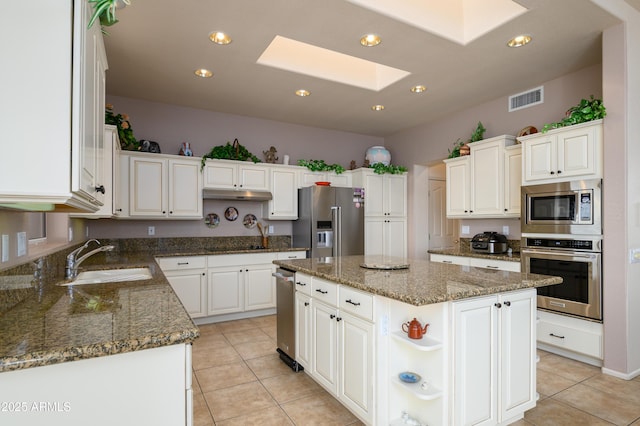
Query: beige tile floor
<point x="238" y="379"/>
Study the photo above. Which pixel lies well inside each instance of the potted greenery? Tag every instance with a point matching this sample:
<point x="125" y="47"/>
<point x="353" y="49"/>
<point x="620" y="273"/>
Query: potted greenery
<point x="461" y="147"/>
<point x="127" y="141"/>
<point x="230" y="151"/>
<point x="586" y="110"/>
<point x="105" y="11"/>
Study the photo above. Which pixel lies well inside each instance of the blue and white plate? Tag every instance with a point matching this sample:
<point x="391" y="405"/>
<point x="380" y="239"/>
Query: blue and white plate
<point x="409" y="377"/>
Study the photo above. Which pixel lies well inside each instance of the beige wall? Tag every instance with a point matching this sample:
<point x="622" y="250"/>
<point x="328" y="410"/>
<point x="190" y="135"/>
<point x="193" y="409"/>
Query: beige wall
<point x="170" y="125"/>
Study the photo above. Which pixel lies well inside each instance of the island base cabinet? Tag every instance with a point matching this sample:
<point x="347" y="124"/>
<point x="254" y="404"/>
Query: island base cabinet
<point x="147" y="387"/>
<point x="494" y="358"/>
<point x="303" y="329"/>
<point x="325" y="352"/>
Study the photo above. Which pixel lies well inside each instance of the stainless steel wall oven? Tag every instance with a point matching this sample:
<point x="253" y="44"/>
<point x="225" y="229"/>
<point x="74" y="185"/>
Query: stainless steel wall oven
<point x="578" y="261"/>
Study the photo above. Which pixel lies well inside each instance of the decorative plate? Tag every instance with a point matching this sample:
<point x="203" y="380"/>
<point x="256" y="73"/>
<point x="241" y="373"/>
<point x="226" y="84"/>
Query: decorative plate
<point x="231" y="214"/>
<point x="409" y="377"/>
<point x="212" y="220"/>
<point x="322" y="183"/>
<point x="249" y="221"/>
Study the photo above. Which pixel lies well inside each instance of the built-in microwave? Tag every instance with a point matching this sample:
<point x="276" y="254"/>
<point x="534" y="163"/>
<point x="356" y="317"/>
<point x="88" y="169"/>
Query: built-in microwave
<point x="562" y="208"/>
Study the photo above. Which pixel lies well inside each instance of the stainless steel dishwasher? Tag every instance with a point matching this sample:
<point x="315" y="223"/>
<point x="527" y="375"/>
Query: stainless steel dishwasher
<point x="286" y="327"/>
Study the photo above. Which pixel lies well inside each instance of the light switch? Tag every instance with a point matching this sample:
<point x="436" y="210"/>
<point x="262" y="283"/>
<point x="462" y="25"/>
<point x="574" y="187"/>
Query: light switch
<point x="22" y="243"/>
<point x="505" y="230"/>
<point x="634" y="255"/>
<point x="5" y="248"/>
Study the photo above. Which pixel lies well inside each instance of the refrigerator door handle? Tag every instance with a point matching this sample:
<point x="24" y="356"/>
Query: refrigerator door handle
<point x="336" y="216"/>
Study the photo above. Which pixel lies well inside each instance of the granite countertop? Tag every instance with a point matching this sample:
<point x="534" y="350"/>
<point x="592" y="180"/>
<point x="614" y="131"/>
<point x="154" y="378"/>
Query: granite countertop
<point x="457" y="251"/>
<point x="42" y="323"/>
<point x="422" y="283"/>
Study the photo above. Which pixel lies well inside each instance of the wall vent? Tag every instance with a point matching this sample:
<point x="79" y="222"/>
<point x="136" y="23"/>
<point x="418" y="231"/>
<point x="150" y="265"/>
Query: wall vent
<point x="526" y="99"/>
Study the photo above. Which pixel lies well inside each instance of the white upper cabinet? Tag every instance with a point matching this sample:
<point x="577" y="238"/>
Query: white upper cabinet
<point x="162" y="187"/>
<point x="512" y="179"/>
<point x="284" y="189"/>
<point x="237" y="175"/>
<point x="54" y="94"/>
<point x="477" y="184"/>
<point x="563" y="154"/>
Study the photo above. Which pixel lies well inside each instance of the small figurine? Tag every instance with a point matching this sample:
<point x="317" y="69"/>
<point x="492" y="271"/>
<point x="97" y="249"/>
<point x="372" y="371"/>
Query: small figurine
<point x="186" y="150"/>
<point x="352" y="165"/>
<point x="270" y="156"/>
<point x="149" y="146"/>
<point x="365" y="164"/>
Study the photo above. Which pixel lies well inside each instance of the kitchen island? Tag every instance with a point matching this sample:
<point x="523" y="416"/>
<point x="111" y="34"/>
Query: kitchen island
<point x="476" y="359"/>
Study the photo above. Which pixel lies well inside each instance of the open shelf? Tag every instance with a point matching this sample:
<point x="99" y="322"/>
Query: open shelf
<point x="425" y="344"/>
<point x="416" y="390"/>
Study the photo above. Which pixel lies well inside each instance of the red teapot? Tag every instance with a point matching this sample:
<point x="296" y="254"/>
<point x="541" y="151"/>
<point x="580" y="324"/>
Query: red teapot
<point x="414" y="329"/>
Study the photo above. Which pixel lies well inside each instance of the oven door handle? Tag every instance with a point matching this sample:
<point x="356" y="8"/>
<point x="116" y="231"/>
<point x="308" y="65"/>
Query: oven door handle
<point x="529" y="252"/>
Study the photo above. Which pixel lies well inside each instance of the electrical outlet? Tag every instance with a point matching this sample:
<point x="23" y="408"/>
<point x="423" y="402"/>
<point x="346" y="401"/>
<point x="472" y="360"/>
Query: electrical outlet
<point x="151" y="230"/>
<point x="5" y="248"/>
<point x="465" y="230"/>
<point x="270" y="229"/>
<point x="86" y="232"/>
<point x="70" y="234"/>
<point x="634" y="255"/>
<point x="505" y="230"/>
<point x="22" y="243"/>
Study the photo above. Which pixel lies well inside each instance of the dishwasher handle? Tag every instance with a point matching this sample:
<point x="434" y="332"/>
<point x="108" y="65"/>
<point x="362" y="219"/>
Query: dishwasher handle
<point x="281" y="276"/>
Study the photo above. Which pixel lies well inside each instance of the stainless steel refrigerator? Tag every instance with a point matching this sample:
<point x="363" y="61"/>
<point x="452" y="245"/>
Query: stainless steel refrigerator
<point x="330" y="221"/>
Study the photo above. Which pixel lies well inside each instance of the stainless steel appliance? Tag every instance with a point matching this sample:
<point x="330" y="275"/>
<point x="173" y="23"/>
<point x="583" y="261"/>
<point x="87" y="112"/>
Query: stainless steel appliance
<point x="285" y="329"/>
<point x="562" y="208"/>
<point x="330" y="221"/>
<point x="578" y="261"/>
<point x="489" y="242"/>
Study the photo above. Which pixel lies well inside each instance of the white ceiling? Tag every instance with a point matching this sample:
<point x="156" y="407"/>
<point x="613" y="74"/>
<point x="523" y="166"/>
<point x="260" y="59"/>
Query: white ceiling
<point x="155" y="48"/>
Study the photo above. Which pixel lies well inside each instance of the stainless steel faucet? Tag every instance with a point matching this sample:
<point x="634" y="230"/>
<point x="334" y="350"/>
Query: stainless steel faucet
<point x="71" y="270"/>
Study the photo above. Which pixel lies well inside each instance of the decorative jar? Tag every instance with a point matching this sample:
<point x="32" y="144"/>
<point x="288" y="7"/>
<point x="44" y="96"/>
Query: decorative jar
<point x="378" y="154"/>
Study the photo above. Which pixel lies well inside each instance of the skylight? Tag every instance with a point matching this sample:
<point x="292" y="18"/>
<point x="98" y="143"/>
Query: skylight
<point x="461" y="21"/>
<point x="303" y="58"/>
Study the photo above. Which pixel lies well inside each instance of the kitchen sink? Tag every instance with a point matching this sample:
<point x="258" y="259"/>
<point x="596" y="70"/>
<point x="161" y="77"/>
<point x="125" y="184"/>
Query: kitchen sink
<point x="110" y="276"/>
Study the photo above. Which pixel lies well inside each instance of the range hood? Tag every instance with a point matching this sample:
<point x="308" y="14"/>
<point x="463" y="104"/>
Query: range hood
<point x="230" y="194"/>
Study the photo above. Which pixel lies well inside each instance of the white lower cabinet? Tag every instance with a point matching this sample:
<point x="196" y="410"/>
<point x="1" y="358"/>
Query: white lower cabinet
<point x="336" y="344"/>
<point x="188" y="278"/>
<point x="494" y="375"/>
<point x="224" y="284"/>
<point x="303" y="319"/>
<point x="500" y="265"/>
<point x="162" y="375"/>
<point x="385" y="236"/>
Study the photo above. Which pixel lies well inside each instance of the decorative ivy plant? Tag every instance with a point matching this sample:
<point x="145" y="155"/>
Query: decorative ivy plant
<point x="586" y="110"/>
<point x="105" y="11"/>
<point x="381" y="169"/>
<point x="321" y="166"/>
<point x="230" y="151"/>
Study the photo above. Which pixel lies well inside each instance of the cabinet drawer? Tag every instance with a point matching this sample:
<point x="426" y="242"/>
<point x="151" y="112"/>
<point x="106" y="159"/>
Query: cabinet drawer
<point x="303" y="283"/>
<point x="356" y="302"/>
<point x="569" y="338"/>
<point x="182" y="262"/>
<point x="455" y="260"/>
<point x="292" y="255"/>
<point x="502" y="265"/>
<point x="240" y="259"/>
<point x="325" y="291"/>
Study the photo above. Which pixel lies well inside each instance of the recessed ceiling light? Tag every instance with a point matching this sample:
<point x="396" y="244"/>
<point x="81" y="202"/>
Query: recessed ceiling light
<point x="204" y="73"/>
<point x="302" y="92"/>
<point x="377" y="107"/>
<point x="520" y="40"/>
<point x="370" y="40"/>
<point x="418" y="89"/>
<point x="219" y="37"/>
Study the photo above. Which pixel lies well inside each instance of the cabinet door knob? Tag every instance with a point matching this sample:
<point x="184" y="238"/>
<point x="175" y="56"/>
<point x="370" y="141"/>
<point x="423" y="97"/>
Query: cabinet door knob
<point x="118" y="210"/>
<point x="498" y="305"/>
<point x="100" y="189"/>
<point x="552" y="172"/>
<point x="332" y="316"/>
<point x="306" y="303"/>
<point x="338" y="319"/>
<point x="507" y="303"/>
